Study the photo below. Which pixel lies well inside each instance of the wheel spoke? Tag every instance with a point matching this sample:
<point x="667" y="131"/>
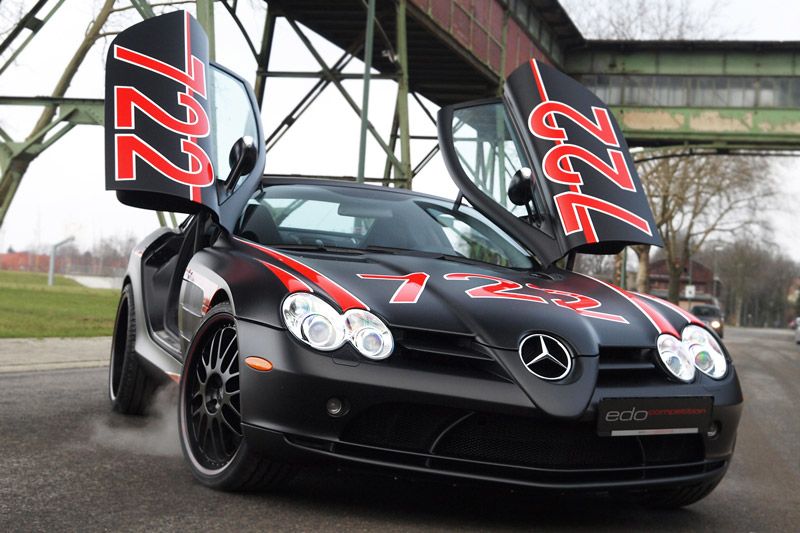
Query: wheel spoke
<point x="216" y="435"/>
<point x="231" y="427"/>
<point x="212" y="357"/>
<point x="205" y="356"/>
<point x="201" y="379"/>
<point x="208" y="435"/>
<point x="221" y="435"/>
<point x="225" y="368"/>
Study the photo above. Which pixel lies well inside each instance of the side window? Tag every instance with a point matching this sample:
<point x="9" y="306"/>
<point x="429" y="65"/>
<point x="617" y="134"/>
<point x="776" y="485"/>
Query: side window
<point x="233" y="117"/>
<point x="488" y="150"/>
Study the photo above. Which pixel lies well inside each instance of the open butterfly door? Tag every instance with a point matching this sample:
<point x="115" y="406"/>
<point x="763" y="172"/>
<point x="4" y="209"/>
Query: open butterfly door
<point x="171" y="119"/>
<point x="553" y="140"/>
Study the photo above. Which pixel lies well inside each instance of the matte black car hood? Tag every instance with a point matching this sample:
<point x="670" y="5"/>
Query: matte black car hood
<point x="581" y="310"/>
<point x="499" y="306"/>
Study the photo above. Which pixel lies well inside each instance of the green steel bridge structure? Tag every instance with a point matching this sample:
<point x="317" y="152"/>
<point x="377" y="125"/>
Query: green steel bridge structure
<point x="709" y="96"/>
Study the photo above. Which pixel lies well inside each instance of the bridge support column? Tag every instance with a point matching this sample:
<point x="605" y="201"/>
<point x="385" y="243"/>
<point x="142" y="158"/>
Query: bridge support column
<point x="402" y="97"/>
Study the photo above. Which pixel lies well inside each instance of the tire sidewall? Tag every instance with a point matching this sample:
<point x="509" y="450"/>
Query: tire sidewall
<point x="120" y="357"/>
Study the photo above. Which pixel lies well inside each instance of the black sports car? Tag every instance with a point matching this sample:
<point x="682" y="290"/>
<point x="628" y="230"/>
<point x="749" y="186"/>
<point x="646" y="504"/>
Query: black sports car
<point x="310" y="320"/>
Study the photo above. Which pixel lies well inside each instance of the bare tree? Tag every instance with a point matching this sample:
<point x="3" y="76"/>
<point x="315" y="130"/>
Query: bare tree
<point x="647" y="20"/>
<point x="697" y="197"/>
<point x="98" y="29"/>
<point x="761" y="300"/>
<point x="600" y="266"/>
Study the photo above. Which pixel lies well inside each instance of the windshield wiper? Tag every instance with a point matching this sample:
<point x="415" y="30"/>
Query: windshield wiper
<point x="318" y="248"/>
<point x="385" y="249"/>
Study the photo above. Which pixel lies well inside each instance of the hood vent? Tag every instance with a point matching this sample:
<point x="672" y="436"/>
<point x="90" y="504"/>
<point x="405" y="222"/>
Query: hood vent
<point x="628" y="366"/>
<point x="446" y="353"/>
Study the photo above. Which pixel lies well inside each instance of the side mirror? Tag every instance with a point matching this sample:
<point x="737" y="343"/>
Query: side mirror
<point x="520" y="190"/>
<point x="242" y="159"/>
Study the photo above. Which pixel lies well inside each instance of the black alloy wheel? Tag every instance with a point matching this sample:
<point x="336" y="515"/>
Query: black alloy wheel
<point x="209" y="412"/>
<point x="213" y="398"/>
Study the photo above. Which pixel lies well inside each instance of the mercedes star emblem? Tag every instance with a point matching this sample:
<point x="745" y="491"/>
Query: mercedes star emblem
<point x="545" y="357"/>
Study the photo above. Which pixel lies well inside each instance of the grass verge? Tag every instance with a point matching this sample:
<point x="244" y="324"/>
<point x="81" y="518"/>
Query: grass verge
<point x="30" y="308"/>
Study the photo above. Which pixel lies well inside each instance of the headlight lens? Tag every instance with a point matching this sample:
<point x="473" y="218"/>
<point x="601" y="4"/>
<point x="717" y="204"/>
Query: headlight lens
<point x="313" y="321"/>
<point x="716" y="324"/>
<point x="675" y="357"/>
<point x="368" y="334"/>
<point x="706" y="352"/>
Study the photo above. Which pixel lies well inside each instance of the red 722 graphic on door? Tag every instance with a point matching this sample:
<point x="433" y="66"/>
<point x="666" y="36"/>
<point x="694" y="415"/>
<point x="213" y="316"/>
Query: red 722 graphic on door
<point x="129" y="100"/>
<point x="573" y="206"/>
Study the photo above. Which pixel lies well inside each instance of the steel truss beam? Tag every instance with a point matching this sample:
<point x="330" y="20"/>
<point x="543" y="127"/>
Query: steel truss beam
<point x="79" y="111"/>
<point x="30" y="22"/>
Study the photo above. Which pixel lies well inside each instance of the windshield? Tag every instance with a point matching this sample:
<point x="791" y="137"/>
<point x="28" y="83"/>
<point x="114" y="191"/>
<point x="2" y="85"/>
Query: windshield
<point x="327" y="216"/>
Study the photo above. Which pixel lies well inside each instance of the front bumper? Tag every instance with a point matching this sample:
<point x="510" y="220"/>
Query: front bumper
<point x="464" y="423"/>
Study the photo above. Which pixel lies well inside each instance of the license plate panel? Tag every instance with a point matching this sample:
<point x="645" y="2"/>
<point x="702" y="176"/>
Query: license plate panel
<point x="625" y="417"/>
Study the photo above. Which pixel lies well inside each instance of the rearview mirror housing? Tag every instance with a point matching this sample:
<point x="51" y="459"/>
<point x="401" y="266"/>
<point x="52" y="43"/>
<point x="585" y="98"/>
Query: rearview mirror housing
<point x="242" y="159"/>
<point x="520" y="190"/>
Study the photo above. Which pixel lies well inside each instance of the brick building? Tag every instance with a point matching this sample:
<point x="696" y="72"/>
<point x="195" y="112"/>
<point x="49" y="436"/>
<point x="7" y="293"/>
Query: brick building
<point x="707" y="288"/>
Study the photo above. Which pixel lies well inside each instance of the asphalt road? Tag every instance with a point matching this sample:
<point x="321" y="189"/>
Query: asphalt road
<point x="67" y="463"/>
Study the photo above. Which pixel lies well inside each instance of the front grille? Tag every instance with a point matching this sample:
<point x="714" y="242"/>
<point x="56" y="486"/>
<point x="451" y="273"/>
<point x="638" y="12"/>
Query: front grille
<point x="445" y="353"/>
<point x="537" y="442"/>
<point x="628" y="366"/>
<point x="400" y="426"/>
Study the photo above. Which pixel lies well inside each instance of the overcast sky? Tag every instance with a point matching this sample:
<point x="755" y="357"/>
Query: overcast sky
<point x="63" y="192"/>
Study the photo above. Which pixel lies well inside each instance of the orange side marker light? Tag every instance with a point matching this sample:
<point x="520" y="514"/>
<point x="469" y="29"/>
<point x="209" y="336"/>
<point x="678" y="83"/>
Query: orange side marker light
<point x="258" y="363"/>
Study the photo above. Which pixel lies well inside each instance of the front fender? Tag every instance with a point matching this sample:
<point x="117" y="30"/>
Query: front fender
<point x="222" y="273"/>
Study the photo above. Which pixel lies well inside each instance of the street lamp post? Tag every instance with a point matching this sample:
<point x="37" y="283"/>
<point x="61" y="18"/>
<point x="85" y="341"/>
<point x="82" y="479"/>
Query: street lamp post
<point x="714" y="273"/>
<point x="51" y="271"/>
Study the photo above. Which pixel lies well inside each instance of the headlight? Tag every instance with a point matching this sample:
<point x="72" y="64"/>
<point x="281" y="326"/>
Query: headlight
<point x="368" y="334"/>
<point x="675" y="357"/>
<point x="705" y="351"/>
<point x="715" y="324"/>
<point x="315" y="322"/>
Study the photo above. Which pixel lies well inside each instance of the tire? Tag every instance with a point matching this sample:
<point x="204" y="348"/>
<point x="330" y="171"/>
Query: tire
<point x="675" y="497"/>
<point x="130" y="387"/>
<point x="209" y="413"/>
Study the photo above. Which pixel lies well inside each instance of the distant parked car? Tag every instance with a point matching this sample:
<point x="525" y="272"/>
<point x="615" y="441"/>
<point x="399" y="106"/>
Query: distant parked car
<point x="711" y="316"/>
<point x="795" y="325"/>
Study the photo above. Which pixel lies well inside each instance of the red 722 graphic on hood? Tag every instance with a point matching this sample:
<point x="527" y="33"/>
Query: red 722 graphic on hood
<point x="412" y="286"/>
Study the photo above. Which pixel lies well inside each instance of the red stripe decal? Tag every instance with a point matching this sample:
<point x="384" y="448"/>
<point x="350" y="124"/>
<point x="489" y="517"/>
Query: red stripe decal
<point x="343" y="298"/>
<point x="195" y="193"/>
<point x="654" y="317"/>
<point x="409" y="290"/>
<point x="664" y="325"/>
<point x="677" y="309"/>
<point x="292" y="282"/>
